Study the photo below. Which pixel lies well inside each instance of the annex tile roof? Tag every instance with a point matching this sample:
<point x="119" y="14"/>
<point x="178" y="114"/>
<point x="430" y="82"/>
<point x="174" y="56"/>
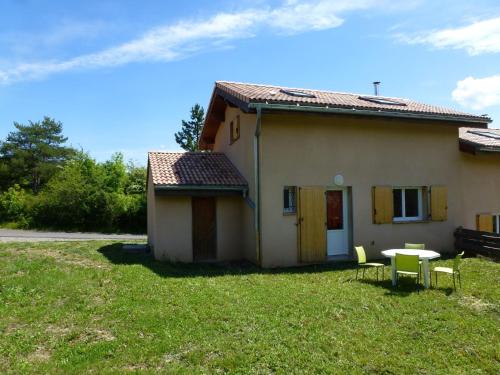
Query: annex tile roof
<point x="256" y="93"/>
<point x="177" y="169"/>
<point x="483" y="139"/>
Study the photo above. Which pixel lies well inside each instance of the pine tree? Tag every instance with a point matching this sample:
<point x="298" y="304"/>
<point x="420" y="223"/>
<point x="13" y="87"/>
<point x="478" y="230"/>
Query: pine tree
<point x="33" y="153"/>
<point x="189" y="135"/>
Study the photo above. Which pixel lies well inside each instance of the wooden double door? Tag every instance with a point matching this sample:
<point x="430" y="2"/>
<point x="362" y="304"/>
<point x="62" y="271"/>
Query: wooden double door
<point x="204" y="228"/>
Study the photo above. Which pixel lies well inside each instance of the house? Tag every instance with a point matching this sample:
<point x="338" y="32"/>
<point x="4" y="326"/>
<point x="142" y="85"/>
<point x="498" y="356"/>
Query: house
<point x="295" y="176"/>
<point x="480" y="179"/>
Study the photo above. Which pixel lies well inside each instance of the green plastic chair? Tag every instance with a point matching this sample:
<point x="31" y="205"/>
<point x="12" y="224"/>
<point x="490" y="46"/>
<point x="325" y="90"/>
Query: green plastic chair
<point x="360" y="252"/>
<point x="451" y="271"/>
<point x="415" y="246"/>
<point x="407" y="265"/>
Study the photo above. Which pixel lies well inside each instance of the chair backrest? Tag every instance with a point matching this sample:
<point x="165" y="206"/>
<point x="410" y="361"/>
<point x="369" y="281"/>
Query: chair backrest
<point x="360" y="251"/>
<point x="456" y="261"/>
<point x="415" y="246"/>
<point x="408" y="263"/>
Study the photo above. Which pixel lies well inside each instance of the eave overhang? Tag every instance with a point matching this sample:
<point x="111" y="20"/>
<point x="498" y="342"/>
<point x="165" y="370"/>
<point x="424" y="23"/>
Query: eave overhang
<point x="201" y="190"/>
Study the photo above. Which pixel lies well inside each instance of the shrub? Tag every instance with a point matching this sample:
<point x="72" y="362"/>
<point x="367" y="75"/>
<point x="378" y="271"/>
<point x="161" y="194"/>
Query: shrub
<point x="86" y="195"/>
<point x="15" y="205"/>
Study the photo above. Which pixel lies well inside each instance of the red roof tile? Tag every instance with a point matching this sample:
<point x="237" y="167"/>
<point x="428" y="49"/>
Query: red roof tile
<point x="254" y="93"/>
<point x="482" y="138"/>
<point x="193" y="169"/>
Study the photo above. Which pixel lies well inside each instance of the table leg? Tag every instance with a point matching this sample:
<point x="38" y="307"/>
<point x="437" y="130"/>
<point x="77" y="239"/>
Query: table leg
<point x="425" y="270"/>
<point x="393" y="271"/>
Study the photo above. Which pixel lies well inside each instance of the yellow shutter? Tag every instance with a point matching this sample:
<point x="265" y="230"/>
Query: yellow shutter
<point x="383" y="205"/>
<point x="484" y="222"/>
<point x="439" y="203"/>
<point x="312" y="221"/>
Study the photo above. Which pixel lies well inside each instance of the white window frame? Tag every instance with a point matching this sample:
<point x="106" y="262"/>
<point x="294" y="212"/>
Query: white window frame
<point x="405" y="218"/>
<point x="496" y="223"/>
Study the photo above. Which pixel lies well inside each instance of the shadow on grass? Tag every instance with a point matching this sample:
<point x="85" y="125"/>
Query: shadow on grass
<point x="116" y="255"/>
<point x="405" y="287"/>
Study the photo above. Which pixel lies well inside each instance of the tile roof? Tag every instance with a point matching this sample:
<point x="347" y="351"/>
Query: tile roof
<point x="481" y="138"/>
<point x="255" y="93"/>
<point x="193" y="169"/>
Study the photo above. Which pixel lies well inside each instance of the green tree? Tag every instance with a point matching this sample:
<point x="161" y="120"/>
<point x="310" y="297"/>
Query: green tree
<point x="137" y="177"/>
<point x="87" y="195"/>
<point x="32" y="153"/>
<point x="190" y="132"/>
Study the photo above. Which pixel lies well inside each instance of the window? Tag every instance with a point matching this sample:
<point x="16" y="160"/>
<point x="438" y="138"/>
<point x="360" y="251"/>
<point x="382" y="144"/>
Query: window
<point x="235" y="130"/>
<point x="407" y="203"/>
<point x="381" y="100"/>
<point x="298" y="93"/>
<point x="289" y="200"/>
<point x="496" y="224"/>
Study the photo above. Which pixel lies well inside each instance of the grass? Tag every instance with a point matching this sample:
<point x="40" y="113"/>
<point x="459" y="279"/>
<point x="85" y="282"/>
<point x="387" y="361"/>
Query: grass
<point x="88" y="307"/>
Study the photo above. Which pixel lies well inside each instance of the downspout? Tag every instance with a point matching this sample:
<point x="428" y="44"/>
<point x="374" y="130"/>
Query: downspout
<point x="256" y="158"/>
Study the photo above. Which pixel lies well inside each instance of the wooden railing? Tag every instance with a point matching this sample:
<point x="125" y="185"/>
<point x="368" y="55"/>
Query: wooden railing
<point x="474" y="242"/>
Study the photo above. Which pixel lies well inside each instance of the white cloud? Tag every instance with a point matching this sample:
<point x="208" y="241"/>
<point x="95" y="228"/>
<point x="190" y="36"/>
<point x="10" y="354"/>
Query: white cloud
<point x="478" y="93"/>
<point x="175" y="41"/>
<point x="477" y="38"/>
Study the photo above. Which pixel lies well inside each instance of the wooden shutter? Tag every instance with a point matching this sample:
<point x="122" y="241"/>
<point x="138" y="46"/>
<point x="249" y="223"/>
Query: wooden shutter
<point x="312" y="221"/>
<point x="484" y="222"/>
<point x="439" y="203"/>
<point x="383" y="205"/>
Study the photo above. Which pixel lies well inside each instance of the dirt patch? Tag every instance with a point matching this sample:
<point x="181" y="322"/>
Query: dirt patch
<point x="58" y="331"/>
<point x="179" y="356"/>
<point x="95" y="335"/>
<point x="39" y="355"/>
<point x="135" y="367"/>
<point x="476" y="304"/>
<point x="12" y="328"/>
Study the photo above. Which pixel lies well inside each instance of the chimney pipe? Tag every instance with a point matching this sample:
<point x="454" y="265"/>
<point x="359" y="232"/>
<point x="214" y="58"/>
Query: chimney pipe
<point x="375" y="87"/>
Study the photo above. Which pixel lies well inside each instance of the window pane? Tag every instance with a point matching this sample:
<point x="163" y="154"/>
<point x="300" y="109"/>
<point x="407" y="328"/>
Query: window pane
<point x="334" y="210"/>
<point x="398" y="205"/>
<point x="411" y="202"/>
<point x="289" y="199"/>
<point x="286" y="199"/>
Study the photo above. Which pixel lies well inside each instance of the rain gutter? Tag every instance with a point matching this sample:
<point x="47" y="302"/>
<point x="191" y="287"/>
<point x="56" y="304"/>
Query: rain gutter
<point x="256" y="158"/>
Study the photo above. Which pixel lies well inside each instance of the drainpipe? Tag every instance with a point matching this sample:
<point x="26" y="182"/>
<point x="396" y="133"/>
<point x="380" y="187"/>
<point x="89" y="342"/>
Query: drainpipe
<point x="256" y="158"/>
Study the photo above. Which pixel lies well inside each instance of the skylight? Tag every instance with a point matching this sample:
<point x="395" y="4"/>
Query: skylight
<point x="380" y="100"/>
<point x="298" y="93"/>
<point x="485" y="133"/>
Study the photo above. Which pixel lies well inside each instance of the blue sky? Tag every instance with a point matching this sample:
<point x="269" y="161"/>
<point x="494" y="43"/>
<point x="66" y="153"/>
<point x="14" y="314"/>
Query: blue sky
<point x="121" y="74"/>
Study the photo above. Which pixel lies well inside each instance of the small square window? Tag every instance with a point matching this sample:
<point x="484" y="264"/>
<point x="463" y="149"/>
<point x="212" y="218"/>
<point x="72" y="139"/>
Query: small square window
<point x="289" y="200"/>
<point x="407" y="203"/>
<point x="235" y="129"/>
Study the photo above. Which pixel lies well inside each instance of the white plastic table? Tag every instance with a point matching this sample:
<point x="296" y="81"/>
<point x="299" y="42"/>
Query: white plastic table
<point x="423" y="255"/>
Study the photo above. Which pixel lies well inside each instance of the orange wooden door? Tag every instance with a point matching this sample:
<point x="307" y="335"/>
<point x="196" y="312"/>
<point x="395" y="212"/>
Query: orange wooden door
<point x="204" y="229"/>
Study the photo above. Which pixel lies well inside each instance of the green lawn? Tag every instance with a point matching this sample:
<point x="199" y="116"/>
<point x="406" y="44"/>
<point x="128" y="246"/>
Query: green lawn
<point x="87" y="307"/>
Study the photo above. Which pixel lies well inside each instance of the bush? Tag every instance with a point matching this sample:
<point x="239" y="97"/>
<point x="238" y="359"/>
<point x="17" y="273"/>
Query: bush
<point x="15" y="206"/>
<point x="86" y="195"/>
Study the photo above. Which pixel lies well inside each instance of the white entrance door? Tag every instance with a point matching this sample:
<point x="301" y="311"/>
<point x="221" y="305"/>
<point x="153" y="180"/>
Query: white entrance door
<point x="337" y="223"/>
